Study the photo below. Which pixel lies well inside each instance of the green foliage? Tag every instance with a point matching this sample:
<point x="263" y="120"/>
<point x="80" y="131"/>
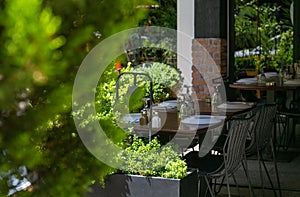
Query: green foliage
<point x="285" y="49"/>
<point x="163" y="52"/>
<point x="107" y="105"/>
<point x="245" y="26"/>
<point x="256" y="25"/>
<point x="283" y="55"/>
<point x="266" y="61"/>
<point x="165" y="15"/>
<point x="42" y="49"/>
<point x="105" y="92"/>
<point x="152" y="159"/>
<point x="245" y="62"/>
<point x="107" y="17"/>
<point x="166" y="80"/>
<point x="268" y="28"/>
<point x="136" y="99"/>
<point x="23" y="36"/>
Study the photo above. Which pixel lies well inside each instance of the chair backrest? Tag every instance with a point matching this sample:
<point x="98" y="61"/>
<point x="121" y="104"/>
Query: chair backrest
<point x="264" y="125"/>
<point x="295" y="106"/>
<point x="251" y="147"/>
<point x="234" y="148"/>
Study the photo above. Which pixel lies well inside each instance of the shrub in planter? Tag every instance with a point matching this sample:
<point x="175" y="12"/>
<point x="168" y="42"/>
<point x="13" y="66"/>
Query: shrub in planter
<point x="152" y="159"/>
<point x="149" y="170"/>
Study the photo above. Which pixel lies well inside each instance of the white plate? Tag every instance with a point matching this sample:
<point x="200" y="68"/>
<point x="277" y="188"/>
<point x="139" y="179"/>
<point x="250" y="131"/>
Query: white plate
<point x="247" y="80"/>
<point x="234" y="105"/>
<point x="131" y="118"/>
<point x="171" y="101"/>
<point x="201" y="120"/>
<point x="170" y="104"/>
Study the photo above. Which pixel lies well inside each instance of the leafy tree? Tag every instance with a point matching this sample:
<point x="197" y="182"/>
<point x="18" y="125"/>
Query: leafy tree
<point x="285" y="51"/>
<point x="245" y="25"/>
<point x="44" y="43"/>
<point x="163" y="13"/>
<point x="256" y="25"/>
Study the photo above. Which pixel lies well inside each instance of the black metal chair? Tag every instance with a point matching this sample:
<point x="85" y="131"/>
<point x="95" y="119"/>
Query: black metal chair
<point x="286" y="127"/>
<point x="224" y="165"/>
<point x="262" y="139"/>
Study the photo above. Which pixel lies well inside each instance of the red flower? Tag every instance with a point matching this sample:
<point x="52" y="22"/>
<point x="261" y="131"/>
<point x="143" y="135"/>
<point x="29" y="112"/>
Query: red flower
<point x="118" y="65"/>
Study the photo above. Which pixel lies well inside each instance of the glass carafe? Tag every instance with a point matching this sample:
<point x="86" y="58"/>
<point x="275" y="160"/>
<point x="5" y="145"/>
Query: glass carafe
<point x="216" y="97"/>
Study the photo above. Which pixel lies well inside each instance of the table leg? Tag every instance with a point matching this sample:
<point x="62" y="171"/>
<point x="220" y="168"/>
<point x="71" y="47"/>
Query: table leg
<point x="290" y="95"/>
<point x="270" y="97"/>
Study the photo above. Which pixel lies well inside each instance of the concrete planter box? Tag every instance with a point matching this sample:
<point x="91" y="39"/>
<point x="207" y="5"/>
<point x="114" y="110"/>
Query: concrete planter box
<point x="124" y="185"/>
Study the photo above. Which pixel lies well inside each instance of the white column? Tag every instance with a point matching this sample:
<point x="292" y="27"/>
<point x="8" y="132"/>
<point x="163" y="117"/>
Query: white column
<point x="185" y="36"/>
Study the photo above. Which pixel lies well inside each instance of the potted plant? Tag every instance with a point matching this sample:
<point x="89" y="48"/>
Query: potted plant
<point x="150" y="169"/>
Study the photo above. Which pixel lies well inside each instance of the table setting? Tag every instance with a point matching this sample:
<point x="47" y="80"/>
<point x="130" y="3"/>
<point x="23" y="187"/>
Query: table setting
<point x="268" y="77"/>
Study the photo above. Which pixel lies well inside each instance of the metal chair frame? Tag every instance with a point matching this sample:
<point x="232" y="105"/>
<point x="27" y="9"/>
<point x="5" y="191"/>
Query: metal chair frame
<point x="286" y="127"/>
<point x="263" y="138"/>
<point x="233" y="154"/>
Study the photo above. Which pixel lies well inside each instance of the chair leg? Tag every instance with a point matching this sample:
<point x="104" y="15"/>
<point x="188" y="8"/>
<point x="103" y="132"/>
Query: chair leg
<point x="291" y="138"/>
<point x="269" y="178"/>
<point x="236" y="184"/>
<point x="282" y="133"/>
<point x="290" y="132"/>
<point x="276" y="171"/>
<point x="221" y="185"/>
<point x="260" y="173"/>
<point x="200" y="188"/>
<point x="287" y="135"/>
<point x="209" y="187"/>
<point x="245" y="166"/>
<point x="228" y="186"/>
<point x="294" y="130"/>
<point x="276" y="168"/>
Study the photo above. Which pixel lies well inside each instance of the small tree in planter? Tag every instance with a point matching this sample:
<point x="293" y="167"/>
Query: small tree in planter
<point x="149" y="169"/>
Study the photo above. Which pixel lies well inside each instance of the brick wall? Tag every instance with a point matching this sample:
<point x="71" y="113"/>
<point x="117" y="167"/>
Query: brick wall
<point x="209" y="56"/>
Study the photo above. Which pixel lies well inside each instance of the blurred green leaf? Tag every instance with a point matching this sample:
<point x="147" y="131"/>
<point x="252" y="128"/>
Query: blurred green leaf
<point x="43" y="45"/>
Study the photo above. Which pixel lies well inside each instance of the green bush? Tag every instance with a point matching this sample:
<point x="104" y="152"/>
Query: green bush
<point x="245" y="62"/>
<point x="285" y="49"/>
<point x="152" y="159"/>
<point x="166" y="80"/>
